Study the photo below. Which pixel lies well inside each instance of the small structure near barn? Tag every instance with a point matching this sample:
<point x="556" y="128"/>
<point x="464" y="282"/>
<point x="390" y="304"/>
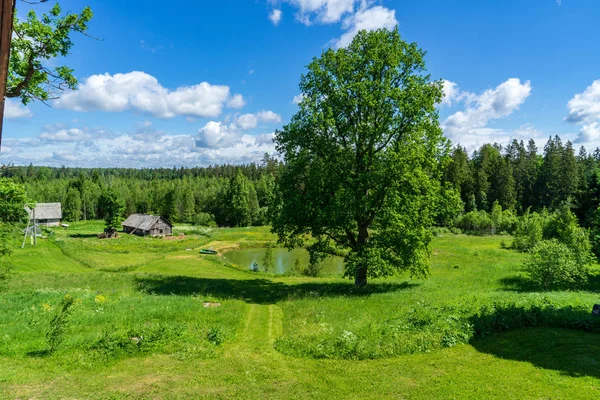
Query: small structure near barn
<point x="45" y="214"/>
<point x="143" y="224"/>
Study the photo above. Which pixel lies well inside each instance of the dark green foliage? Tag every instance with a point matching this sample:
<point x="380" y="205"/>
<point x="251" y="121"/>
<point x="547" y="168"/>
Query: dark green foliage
<point x="113" y="208"/>
<point x="553" y="265"/>
<point x="55" y="333"/>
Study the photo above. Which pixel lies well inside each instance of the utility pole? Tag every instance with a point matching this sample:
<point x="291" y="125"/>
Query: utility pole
<point x="7" y="11"/>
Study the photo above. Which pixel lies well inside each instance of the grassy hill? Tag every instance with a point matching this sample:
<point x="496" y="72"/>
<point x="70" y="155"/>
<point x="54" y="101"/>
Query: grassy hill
<point x="146" y="324"/>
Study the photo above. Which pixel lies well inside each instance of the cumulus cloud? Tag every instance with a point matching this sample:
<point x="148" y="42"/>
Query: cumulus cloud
<point x="220" y="134"/>
<point x="585" y="107"/>
<point x="237" y="101"/>
<point x="366" y="19"/>
<point x="250" y="121"/>
<point x="355" y="15"/>
<point x="321" y="11"/>
<point x="15" y="109"/>
<point x="490" y="105"/>
<point x="215" y="134"/>
<point x="61" y="133"/>
<point x="275" y="16"/>
<point x="141" y="92"/>
<point x="589" y="134"/>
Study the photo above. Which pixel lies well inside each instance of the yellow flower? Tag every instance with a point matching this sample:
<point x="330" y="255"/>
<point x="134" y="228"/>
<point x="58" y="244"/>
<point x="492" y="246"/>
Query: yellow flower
<point x="100" y="299"/>
<point x="47" y="307"/>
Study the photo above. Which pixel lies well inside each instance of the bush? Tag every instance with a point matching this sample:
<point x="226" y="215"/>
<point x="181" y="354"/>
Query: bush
<point x="55" y="334"/>
<point x="529" y="231"/>
<point x="205" y="219"/>
<point x="553" y="265"/>
<point x="475" y="222"/>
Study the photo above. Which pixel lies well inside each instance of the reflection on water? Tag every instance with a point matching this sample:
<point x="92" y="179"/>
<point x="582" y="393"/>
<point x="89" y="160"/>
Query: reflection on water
<point x="284" y="260"/>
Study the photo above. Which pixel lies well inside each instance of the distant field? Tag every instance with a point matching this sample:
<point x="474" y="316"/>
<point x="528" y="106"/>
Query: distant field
<point x="141" y="326"/>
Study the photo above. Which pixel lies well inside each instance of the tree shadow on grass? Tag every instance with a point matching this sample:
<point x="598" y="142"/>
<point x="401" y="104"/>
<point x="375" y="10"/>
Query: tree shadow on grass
<point x="573" y="353"/>
<point x="522" y="284"/>
<point x="550" y="336"/>
<point x="83" y="235"/>
<point x="260" y="291"/>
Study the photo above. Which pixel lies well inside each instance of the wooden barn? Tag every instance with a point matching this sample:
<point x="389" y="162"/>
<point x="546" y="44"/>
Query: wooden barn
<point x="143" y="224"/>
<point x="46" y="214"/>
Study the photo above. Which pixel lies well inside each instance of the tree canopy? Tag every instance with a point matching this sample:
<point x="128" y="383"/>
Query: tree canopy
<point x="36" y="40"/>
<point x="12" y="201"/>
<point x="362" y="158"/>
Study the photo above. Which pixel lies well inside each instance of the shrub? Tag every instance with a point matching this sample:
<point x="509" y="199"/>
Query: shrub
<point x="269" y="260"/>
<point x="205" y="219"/>
<point x="475" y="222"/>
<point x="529" y="231"/>
<point x="553" y="265"/>
<point x="55" y="334"/>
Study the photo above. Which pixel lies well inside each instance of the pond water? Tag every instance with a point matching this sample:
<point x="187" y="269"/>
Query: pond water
<point x="284" y="260"/>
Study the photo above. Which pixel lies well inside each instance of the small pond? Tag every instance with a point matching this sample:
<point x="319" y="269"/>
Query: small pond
<point x="284" y="260"/>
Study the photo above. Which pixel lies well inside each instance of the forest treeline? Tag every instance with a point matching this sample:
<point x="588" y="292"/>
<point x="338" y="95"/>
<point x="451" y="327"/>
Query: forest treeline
<point x="517" y="177"/>
<point x="224" y="195"/>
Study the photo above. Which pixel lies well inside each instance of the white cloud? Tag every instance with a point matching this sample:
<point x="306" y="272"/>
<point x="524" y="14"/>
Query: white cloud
<point x="589" y="134"/>
<point x="215" y="134"/>
<point x="141" y="92"/>
<point x="15" y="109"/>
<point x="451" y="92"/>
<point x="237" y="101"/>
<point x="65" y="135"/>
<point x="527" y="131"/>
<point x="585" y="107"/>
<point x="275" y="17"/>
<point x="250" y="121"/>
<point x="490" y="105"/>
<point x="298" y="98"/>
<point x="247" y="121"/>
<point x="321" y="11"/>
<point x="268" y="116"/>
<point x="366" y="19"/>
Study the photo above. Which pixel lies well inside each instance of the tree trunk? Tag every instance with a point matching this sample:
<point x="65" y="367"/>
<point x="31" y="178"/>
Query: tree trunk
<point x="361" y="277"/>
<point x="7" y="9"/>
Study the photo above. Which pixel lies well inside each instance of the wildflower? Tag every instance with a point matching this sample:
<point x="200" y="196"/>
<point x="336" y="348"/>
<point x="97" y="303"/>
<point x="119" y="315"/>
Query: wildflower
<point x="100" y="299"/>
<point x="47" y="307"/>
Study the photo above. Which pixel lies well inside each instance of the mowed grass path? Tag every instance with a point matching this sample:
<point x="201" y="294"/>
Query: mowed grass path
<point x="168" y="284"/>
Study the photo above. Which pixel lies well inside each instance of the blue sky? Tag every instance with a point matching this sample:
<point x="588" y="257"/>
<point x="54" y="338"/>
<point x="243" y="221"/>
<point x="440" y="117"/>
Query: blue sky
<point x="198" y="83"/>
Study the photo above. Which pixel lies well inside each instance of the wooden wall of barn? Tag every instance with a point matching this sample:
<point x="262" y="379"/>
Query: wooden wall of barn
<point x="161" y="228"/>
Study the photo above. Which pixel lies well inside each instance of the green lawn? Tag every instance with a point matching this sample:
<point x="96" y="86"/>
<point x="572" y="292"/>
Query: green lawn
<point x="140" y="328"/>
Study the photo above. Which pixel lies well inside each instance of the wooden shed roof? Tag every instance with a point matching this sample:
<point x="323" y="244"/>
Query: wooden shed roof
<point x="143" y="221"/>
<point x="45" y="211"/>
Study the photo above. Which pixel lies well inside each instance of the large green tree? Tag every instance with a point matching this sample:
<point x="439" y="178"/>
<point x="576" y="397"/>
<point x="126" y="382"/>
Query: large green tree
<point x="362" y="158"/>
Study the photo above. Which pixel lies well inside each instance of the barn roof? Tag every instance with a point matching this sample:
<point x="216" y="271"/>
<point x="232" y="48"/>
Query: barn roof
<point x="142" y="221"/>
<point x="45" y="211"/>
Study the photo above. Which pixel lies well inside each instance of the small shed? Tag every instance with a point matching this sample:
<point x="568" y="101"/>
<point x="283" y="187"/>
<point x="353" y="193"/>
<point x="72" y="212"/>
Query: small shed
<point x="46" y="214"/>
<point x="144" y="224"/>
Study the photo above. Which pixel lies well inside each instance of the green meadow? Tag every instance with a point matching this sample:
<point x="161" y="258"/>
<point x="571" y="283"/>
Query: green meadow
<point x="154" y="319"/>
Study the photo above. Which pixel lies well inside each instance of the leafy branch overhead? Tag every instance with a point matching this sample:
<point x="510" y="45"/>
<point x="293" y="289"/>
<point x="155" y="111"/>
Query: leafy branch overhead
<point x="36" y="40"/>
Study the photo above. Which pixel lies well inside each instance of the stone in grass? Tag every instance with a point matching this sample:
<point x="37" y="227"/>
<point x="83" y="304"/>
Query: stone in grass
<point x="208" y="304"/>
<point x="596" y="310"/>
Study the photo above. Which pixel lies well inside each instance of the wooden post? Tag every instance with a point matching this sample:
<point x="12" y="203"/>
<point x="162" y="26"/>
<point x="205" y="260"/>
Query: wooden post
<point x="34" y="229"/>
<point x="7" y="10"/>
